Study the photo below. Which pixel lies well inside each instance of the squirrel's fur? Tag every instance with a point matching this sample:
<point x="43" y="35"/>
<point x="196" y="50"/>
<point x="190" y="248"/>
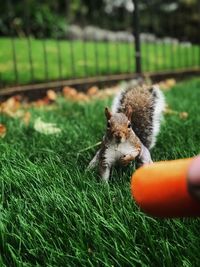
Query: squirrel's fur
<point x="133" y="124"/>
<point x="147" y="104"/>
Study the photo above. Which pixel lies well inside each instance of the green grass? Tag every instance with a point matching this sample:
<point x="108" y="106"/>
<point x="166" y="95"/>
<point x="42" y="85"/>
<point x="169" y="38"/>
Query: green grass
<point x="113" y="58"/>
<point x="53" y="213"/>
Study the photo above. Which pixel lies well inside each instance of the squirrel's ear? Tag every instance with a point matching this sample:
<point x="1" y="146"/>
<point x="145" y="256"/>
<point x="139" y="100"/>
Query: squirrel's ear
<point x="108" y="113"/>
<point x="129" y="112"/>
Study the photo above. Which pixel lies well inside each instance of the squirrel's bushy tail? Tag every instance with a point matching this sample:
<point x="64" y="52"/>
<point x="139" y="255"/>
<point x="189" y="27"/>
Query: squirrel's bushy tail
<point x="159" y="107"/>
<point x="147" y="103"/>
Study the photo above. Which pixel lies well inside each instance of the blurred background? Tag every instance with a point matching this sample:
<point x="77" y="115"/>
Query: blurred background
<point x="50" y="40"/>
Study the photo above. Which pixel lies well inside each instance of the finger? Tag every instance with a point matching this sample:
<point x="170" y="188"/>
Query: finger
<point x="194" y="178"/>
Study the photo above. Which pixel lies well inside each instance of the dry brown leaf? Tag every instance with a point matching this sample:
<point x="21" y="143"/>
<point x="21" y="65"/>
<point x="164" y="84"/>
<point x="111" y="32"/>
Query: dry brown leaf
<point x="170" y="82"/>
<point x="170" y="111"/>
<point x="72" y="94"/>
<point x="167" y="84"/>
<point x="11" y="105"/>
<point x="41" y="102"/>
<point x="108" y="92"/>
<point x="183" y="115"/>
<point x="2" y="131"/>
<point x="81" y="97"/>
<point x="69" y="92"/>
<point x="26" y="118"/>
<point x="51" y="94"/>
<point x="92" y="91"/>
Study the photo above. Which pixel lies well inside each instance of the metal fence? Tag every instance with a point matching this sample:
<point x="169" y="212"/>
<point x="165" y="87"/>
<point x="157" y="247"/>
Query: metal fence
<point x="31" y="55"/>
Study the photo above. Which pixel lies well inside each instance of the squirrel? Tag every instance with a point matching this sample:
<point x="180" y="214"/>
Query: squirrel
<point x="132" y="127"/>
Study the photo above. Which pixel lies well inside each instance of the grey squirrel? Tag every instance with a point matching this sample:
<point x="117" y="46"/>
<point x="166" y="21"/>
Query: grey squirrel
<point x="132" y="127"/>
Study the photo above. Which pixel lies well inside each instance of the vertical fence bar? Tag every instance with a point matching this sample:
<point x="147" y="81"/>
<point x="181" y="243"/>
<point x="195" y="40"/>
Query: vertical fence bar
<point x="105" y="43"/>
<point x="182" y="49"/>
<point x="58" y="43"/>
<point x="193" y="55"/>
<point x="44" y="51"/>
<point x="45" y="58"/>
<point x="85" y="56"/>
<point x="28" y="32"/>
<point x="128" y="57"/>
<point x="107" y="57"/>
<point x="180" y="53"/>
<point x="154" y="11"/>
<point x="107" y="52"/>
<point x="179" y="49"/>
<point x="96" y="54"/>
<point x="59" y="59"/>
<point x="146" y="55"/>
<point x="188" y="53"/>
<point x="163" y="52"/>
<point x="14" y="59"/>
<point x="10" y="11"/>
<point x="155" y="45"/>
<point x="136" y="27"/>
<point x="128" y="52"/>
<point x="71" y="44"/>
<point x="118" y="56"/>
<point x="30" y="58"/>
<point x="147" y="47"/>
<point x="174" y="47"/>
<point x="171" y="44"/>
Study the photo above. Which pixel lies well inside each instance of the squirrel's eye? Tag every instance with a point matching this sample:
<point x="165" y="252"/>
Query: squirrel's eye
<point x="129" y="125"/>
<point x="108" y="124"/>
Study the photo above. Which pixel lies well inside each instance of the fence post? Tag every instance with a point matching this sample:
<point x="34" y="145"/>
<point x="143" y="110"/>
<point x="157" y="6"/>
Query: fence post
<point x="136" y="32"/>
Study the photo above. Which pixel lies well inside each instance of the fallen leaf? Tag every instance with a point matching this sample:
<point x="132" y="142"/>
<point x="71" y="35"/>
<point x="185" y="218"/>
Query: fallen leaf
<point x="26" y="118"/>
<point x="51" y="95"/>
<point x="73" y="94"/>
<point x="108" y="92"/>
<point x="41" y="102"/>
<point x="69" y="92"/>
<point x="183" y="115"/>
<point x="170" y="111"/>
<point x="2" y="131"/>
<point x="81" y="97"/>
<point x="92" y="91"/>
<point x="170" y="82"/>
<point x="11" y="105"/>
<point x="45" y="127"/>
<point x="167" y="84"/>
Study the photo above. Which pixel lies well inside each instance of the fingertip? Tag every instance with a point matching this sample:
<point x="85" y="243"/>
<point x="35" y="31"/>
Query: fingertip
<point x="194" y="178"/>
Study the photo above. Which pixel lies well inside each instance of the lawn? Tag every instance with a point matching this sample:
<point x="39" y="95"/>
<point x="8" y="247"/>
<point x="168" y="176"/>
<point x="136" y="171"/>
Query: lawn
<point x="41" y="60"/>
<point x="53" y="213"/>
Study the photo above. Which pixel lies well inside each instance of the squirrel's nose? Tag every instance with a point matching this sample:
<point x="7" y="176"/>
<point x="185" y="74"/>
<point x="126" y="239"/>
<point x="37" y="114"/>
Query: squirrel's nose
<point x="118" y="137"/>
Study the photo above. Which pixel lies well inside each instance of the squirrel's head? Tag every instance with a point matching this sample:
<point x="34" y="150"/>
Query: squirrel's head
<point x="119" y="125"/>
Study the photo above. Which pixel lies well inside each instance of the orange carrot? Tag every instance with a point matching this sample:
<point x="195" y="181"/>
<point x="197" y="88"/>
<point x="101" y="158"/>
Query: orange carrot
<point x="161" y="189"/>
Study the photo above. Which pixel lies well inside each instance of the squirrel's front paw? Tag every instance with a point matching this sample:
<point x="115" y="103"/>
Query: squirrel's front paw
<point x="126" y="159"/>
